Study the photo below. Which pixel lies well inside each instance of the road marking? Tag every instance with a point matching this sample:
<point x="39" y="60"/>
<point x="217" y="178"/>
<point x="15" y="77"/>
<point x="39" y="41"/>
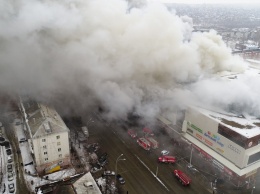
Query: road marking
<point x="152" y="173"/>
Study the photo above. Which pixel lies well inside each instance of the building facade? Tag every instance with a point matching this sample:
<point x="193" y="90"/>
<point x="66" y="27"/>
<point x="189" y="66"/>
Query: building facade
<point x="47" y="135"/>
<point x="231" y="142"/>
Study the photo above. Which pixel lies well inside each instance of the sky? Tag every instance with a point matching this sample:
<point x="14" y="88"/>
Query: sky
<point x="212" y="1"/>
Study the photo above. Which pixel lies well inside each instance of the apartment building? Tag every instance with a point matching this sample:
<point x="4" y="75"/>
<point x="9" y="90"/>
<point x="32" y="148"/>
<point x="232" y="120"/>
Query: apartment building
<point x="47" y="135"/>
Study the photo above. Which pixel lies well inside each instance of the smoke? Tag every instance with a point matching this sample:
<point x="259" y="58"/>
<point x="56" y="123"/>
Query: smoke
<point x="84" y="53"/>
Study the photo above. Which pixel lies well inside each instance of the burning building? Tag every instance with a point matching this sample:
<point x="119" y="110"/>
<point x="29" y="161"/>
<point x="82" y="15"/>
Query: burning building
<point x="231" y="141"/>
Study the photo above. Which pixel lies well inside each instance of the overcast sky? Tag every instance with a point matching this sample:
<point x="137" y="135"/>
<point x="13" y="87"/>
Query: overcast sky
<point x="211" y="1"/>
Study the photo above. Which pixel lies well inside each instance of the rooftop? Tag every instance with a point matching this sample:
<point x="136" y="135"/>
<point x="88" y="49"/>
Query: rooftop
<point x="245" y="126"/>
<point x="86" y="184"/>
<point x="43" y="119"/>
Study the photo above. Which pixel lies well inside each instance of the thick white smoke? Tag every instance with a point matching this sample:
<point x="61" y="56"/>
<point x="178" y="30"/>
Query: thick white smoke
<point x="83" y="52"/>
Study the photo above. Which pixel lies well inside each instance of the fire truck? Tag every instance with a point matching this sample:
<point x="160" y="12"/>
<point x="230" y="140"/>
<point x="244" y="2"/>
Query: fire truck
<point x="154" y="144"/>
<point x="183" y="178"/>
<point x="144" y="143"/>
<point x="147" y="131"/>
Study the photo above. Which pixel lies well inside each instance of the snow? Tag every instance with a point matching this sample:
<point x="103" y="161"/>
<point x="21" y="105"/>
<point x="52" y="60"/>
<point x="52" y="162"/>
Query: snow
<point x="253" y="61"/>
<point x="86" y="184"/>
<point x="249" y="128"/>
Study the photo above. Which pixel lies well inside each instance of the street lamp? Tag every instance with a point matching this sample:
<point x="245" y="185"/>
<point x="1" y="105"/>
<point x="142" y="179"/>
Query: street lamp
<point x="156" y="170"/>
<point x="118" y="159"/>
<point x="190" y="155"/>
<point x="253" y="190"/>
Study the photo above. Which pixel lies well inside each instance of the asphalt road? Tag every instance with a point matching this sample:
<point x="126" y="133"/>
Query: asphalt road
<point x="140" y="166"/>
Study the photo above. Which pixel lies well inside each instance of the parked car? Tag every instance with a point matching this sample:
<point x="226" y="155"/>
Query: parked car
<point x="96" y="168"/>
<point x="94" y="147"/>
<point x="165" y="152"/>
<point x="8" y="152"/>
<point x="102" y="161"/>
<point x="108" y="173"/>
<point x="9" y="168"/>
<point x="120" y="179"/>
<point x="103" y="156"/>
<point x="167" y="159"/>
<point x="7" y="146"/>
<point x="132" y="133"/>
<point x="22" y="140"/>
<point x="11" y="188"/>
<point x="9" y="159"/>
<point x="10" y="176"/>
<point x="18" y="123"/>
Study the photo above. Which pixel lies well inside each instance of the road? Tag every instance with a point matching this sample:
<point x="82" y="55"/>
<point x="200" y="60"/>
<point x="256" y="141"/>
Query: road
<point x="140" y="166"/>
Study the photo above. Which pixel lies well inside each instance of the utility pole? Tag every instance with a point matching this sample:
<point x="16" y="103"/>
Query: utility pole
<point x="191" y="154"/>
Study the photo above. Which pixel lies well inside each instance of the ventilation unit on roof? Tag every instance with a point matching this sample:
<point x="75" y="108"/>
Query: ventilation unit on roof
<point x="47" y="127"/>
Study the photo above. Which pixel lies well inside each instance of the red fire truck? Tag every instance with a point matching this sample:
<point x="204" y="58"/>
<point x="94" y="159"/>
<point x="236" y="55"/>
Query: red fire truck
<point x="144" y="143"/>
<point x="167" y="159"/>
<point x="147" y="131"/>
<point x="183" y="178"/>
<point x="154" y="144"/>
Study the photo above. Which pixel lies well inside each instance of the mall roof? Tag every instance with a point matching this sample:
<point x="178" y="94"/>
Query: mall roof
<point x="246" y="126"/>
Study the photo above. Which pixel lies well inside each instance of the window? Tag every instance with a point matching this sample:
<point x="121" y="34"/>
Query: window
<point x="58" y="137"/>
<point x="44" y="147"/>
<point x="46" y="159"/>
<point x="43" y="140"/>
<point x="189" y="130"/>
<point x="59" y="149"/>
<point x="253" y="158"/>
<point x="60" y="155"/>
<point x="232" y="136"/>
<point x="45" y="153"/>
<point x="58" y="143"/>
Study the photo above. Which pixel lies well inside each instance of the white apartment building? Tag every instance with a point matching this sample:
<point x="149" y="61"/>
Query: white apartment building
<point x="47" y="135"/>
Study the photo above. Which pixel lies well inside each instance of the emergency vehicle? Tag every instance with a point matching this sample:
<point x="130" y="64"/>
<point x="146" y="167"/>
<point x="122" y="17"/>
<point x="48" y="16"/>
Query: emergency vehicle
<point x="147" y="131"/>
<point x="144" y="143"/>
<point x="167" y="159"/>
<point x="132" y="133"/>
<point x="183" y="178"/>
<point x="154" y="144"/>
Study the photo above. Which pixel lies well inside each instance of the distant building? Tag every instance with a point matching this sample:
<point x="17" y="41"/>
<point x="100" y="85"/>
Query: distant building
<point x="47" y="135"/>
<point x="240" y="46"/>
